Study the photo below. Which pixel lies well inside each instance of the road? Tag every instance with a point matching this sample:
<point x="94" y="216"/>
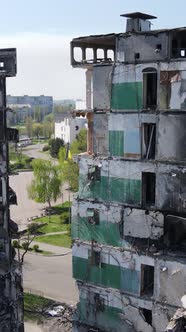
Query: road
<point x="31" y="327"/>
<point x="48" y="276"/>
<point x="27" y="208"/>
<point x="51" y="276"/>
<point x="35" y="151"/>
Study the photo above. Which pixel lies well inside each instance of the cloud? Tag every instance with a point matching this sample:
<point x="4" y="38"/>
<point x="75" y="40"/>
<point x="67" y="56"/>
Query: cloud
<point x="43" y="66"/>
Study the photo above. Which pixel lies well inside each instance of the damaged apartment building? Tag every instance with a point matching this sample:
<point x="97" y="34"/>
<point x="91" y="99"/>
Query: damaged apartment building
<point x="11" y="299"/>
<point x="129" y="216"/>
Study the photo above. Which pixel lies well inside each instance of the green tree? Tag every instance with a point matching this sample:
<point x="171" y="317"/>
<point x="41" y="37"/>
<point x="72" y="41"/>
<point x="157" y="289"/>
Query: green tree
<point x="58" y="109"/>
<point x="55" y="145"/>
<point x="47" y="182"/>
<point x="37" y="129"/>
<point x="48" y="129"/>
<point x="69" y="170"/>
<point x="37" y="114"/>
<point x="80" y="144"/>
<point x="24" y="240"/>
<point x="29" y="126"/>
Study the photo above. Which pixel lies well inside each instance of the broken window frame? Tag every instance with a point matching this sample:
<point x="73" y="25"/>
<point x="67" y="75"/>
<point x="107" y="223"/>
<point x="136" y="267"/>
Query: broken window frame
<point x="94" y="173"/>
<point x="148" y="141"/>
<point x="94" y="218"/>
<point x="148" y="190"/>
<point x="175" y="232"/>
<point x="99" y="303"/>
<point x="178" y="45"/>
<point x="147" y="280"/>
<point x="94" y="258"/>
<point x="147" y="315"/>
<point x="148" y="104"/>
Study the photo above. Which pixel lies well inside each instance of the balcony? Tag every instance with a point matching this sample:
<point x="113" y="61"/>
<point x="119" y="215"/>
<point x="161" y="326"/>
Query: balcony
<point x="90" y="50"/>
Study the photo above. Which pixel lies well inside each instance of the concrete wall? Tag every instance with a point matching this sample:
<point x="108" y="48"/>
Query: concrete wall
<point x="127" y="86"/>
<point x="118" y="311"/>
<point x="102" y="78"/>
<point x="126" y="135"/>
<point x="122" y="270"/>
<point x="115" y="223"/>
<point x="145" y="45"/>
<point x="121" y="182"/>
<point x="100" y="134"/>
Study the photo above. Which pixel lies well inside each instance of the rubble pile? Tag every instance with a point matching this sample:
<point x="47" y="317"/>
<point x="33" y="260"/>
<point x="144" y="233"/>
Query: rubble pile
<point x="58" y="318"/>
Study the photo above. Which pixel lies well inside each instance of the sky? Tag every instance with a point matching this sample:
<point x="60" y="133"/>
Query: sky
<point x="41" y="30"/>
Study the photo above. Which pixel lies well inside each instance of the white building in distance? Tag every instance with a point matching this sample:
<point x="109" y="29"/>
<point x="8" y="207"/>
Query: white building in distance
<point x="68" y="127"/>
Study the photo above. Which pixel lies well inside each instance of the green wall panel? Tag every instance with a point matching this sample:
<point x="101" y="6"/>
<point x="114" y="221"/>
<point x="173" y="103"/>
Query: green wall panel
<point x="108" y="318"/>
<point x="107" y="275"/>
<point x="127" y="96"/>
<point x="130" y="280"/>
<point x="116" y="143"/>
<point x="111" y="190"/>
<point x="105" y="232"/>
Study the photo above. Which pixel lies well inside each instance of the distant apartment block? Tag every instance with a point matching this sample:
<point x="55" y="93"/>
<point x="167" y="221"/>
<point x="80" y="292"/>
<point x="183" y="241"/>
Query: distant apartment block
<point x="68" y="127"/>
<point x="24" y="106"/>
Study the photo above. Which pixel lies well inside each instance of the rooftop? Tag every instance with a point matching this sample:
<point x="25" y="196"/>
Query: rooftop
<point x="143" y="16"/>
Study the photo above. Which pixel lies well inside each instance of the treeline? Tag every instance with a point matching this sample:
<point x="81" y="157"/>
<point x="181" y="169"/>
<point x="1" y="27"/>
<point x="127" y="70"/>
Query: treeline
<point x="20" y="114"/>
<point x="36" y="129"/>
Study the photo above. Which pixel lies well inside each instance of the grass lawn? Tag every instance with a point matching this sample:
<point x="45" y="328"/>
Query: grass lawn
<point x="50" y="228"/>
<point x="62" y="240"/>
<point x="58" y="221"/>
<point x="34" y="305"/>
<point x="54" y="225"/>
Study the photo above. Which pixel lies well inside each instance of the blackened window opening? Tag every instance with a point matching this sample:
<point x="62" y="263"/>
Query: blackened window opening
<point x="148" y="189"/>
<point x="147" y="315"/>
<point x="175" y="232"/>
<point x="95" y="258"/>
<point x="147" y="280"/>
<point x="99" y="303"/>
<point x="94" y="173"/>
<point x="93" y="216"/>
<point x="179" y="45"/>
<point x="150" y="90"/>
<point x="149" y="143"/>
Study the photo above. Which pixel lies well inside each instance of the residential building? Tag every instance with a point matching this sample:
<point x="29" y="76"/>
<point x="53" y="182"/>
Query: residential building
<point x="11" y="299"/>
<point x="24" y="106"/>
<point x="68" y="127"/>
<point x="129" y="216"/>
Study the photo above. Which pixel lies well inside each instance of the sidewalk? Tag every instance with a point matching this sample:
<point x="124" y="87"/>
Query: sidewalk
<point x="53" y="249"/>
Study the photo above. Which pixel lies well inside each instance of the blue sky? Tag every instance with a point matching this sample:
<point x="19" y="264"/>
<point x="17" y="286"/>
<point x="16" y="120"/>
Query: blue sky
<point x="41" y="30"/>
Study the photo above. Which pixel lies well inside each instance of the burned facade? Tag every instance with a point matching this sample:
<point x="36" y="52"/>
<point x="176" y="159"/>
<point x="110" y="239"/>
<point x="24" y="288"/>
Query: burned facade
<point x="129" y="217"/>
<point x="11" y="299"/>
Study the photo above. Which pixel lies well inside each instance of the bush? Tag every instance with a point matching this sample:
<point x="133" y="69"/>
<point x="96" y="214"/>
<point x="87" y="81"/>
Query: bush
<point x="46" y="148"/>
<point x="15" y="244"/>
<point x="25" y="245"/>
<point x="36" y="247"/>
<point x="64" y="217"/>
<point x="32" y="228"/>
<point x="55" y="145"/>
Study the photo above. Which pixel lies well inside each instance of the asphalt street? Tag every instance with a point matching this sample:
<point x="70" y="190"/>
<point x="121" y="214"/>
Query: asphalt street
<point x="49" y="276"/>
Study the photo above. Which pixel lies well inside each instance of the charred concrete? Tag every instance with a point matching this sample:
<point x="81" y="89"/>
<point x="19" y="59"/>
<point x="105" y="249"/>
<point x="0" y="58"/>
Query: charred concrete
<point x="129" y="216"/>
<point x="11" y="302"/>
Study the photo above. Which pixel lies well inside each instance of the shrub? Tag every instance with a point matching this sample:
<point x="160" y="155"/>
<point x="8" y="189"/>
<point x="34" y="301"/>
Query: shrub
<point x="36" y="247"/>
<point x="46" y="148"/>
<point x="55" y="145"/>
<point x="64" y="217"/>
<point x="15" y="244"/>
<point x="25" y="245"/>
